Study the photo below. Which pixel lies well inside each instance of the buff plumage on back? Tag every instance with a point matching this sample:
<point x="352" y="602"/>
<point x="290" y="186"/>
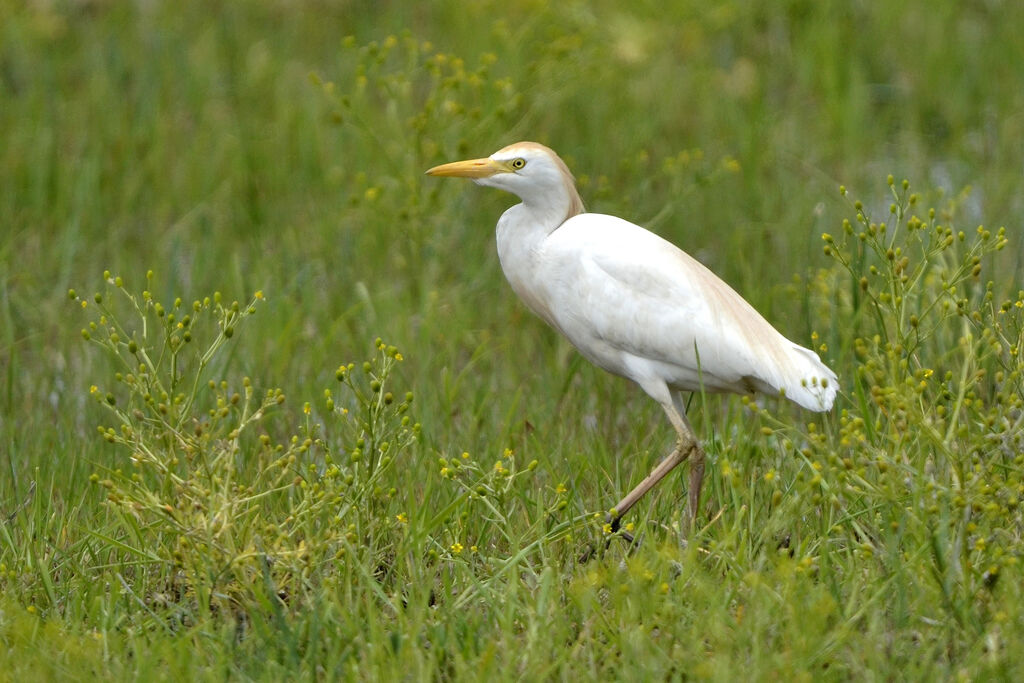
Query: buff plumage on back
<point x="575" y="201"/>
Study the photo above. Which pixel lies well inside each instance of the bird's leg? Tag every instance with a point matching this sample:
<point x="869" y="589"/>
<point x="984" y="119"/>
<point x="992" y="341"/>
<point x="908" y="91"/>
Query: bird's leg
<point x="677" y="415"/>
<point x="686" y="447"/>
<point x="614" y="518"/>
<point x="677" y="456"/>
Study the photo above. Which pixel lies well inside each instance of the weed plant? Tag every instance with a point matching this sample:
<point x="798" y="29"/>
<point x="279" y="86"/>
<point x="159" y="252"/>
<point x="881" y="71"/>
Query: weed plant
<point x="214" y="514"/>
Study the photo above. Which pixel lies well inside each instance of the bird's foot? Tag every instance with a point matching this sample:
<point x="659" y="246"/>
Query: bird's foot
<point x="617" y="531"/>
<point x="614" y="531"/>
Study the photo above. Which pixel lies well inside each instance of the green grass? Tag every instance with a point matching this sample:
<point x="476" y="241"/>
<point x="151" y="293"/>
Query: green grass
<point x="280" y="147"/>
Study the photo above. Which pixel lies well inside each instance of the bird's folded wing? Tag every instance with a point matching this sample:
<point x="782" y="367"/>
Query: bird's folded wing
<point x="641" y="294"/>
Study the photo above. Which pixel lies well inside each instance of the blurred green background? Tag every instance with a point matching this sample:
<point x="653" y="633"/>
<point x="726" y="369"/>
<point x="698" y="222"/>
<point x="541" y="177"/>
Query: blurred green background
<point x="279" y="146"/>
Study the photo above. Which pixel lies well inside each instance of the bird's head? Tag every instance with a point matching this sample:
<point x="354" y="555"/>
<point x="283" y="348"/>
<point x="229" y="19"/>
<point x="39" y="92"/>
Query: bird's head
<point x="528" y="170"/>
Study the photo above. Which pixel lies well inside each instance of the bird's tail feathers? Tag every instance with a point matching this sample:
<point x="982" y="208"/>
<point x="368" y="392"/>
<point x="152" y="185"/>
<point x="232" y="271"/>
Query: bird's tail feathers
<point x="809" y="382"/>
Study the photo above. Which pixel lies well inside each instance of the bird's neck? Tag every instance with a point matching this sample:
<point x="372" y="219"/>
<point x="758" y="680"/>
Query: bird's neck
<point x="520" y="235"/>
<point x="552" y="207"/>
<point x="524" y="226"/>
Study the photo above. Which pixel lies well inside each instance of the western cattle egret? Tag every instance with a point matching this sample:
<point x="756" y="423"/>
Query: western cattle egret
<point x="635" y="304"/>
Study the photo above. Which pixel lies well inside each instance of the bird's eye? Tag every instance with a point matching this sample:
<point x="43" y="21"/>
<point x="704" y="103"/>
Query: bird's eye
<point x="518" y="163"/>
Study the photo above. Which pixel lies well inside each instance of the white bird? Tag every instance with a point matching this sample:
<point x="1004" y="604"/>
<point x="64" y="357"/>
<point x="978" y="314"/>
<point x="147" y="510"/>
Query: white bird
<point x="636" y="305"/>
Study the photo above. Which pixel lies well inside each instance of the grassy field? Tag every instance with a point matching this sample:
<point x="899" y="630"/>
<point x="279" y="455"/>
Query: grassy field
<point x="212" y="468"/>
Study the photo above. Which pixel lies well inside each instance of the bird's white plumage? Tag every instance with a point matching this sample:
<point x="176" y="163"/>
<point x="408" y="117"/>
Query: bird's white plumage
<point x="635" y="304"/>
<point x="632" y="302"/>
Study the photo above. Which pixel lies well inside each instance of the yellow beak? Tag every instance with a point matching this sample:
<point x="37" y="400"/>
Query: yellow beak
<point x="471" y="168"/>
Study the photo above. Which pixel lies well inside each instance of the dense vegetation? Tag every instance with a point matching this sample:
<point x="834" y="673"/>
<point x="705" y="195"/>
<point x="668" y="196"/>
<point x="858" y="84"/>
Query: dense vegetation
<point x="268" y="408"/>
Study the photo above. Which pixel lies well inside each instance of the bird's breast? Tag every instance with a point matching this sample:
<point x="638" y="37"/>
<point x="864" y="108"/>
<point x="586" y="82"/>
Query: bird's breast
<point x="522" y="277"/>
